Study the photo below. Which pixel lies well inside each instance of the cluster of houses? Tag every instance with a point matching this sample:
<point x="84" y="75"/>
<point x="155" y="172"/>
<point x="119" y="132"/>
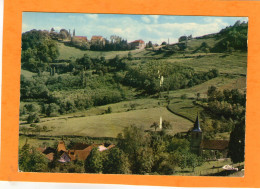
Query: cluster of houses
<point x="79" y="151"/>
<point x="65" y="35"/>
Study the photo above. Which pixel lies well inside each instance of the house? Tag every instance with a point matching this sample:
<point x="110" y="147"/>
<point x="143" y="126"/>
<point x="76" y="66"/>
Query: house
<point x="215" y="147"/>
<point x="80" y="38"/>
<point x="138" y="44"/>
<point x="98" y="40"/>
<point x="200" y="146"/>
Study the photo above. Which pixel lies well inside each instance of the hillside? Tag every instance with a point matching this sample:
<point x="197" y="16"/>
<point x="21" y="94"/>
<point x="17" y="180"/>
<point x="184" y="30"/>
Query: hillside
<point x="70" y="92"/>
<point x="72" y="53"/>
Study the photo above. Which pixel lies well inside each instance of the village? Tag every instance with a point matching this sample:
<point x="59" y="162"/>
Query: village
<point x="117" y="107"/>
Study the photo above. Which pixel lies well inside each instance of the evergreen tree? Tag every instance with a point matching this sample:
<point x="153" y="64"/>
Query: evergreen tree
<point x="236" y="148"/>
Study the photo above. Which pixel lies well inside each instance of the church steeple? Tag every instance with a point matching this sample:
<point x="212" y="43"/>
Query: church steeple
<point x="196" y="137"/>
<point x="196" y="127"/>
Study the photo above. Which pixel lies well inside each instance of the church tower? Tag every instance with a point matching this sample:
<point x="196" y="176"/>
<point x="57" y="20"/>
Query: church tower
<point x="74" y="33"/>
<point x="196" y="137"/>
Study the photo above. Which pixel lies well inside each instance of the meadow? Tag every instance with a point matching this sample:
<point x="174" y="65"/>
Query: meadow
<point x="110" y="125"/>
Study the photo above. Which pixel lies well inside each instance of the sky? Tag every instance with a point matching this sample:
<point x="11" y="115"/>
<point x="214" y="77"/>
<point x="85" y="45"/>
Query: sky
<point x="155" y="28"/>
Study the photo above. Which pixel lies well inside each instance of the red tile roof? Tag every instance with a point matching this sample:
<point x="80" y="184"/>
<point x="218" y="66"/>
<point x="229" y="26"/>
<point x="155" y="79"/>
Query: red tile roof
<point x="40" y="149"/>
<point x="61" y="146"/>
<point x="138" y="41"/>
<point x="214" y="144"/>
<point x="96" y="38"/>
<point x="81" y="38"/>
<point x="80" y="154"/>
<point x="50" y="156"/>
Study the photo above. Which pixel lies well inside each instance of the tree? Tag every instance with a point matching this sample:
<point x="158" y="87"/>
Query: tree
<point x="166" y="125"/>
<point x="85" y="61"/>
<point x="52" y="110"/>
<point x="136" y="145"/>
<point x="116" y="162"/>
<point x="236" y="148"/>
<point x="64" y="34"/>
<point x="94" y="162"/>
<point x="33" y="118"/>
<point x="155" y="125"/>
<point x="37" y="49"/>
<point x="30" y="160"/>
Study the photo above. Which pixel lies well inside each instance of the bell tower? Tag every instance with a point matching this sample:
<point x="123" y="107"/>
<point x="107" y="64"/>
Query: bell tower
<point x="196" y="137"/>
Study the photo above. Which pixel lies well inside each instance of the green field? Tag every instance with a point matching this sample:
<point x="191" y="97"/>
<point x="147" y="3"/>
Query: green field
<point x="221" y="82"/>
<point x="67" y="52"/>
<point x="109" y="125"/>
<point x="185" y="108"/>
<point x="234" y="63"/>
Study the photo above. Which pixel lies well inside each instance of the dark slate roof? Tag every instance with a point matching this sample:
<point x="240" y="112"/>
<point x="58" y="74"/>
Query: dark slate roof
<point x="214" y="144"/>
<point x="49" y="150"/>
<point x="196" y="127"/>
<point x="80" y="146"/>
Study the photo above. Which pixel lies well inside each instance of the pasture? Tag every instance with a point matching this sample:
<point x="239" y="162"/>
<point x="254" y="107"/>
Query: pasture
<point x="234" y="63"/>
<point x="185" y="108"/>
<point x="67" y="52"/>
<point x="221" y="82"/>
<point x="109" y="125"/>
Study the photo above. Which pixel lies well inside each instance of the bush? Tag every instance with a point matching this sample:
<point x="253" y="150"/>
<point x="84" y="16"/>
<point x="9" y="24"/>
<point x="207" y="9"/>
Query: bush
<point x="184" y="96"/>
<point x="33" y="118"/>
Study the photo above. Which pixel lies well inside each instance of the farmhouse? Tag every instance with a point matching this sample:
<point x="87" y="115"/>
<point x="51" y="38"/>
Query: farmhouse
<point x="138" y="44"/>
<point x="80" y="38"/>
<point x="98" y="40"/>
<point x="79" y="151"/>
<point x="200" y="146"/>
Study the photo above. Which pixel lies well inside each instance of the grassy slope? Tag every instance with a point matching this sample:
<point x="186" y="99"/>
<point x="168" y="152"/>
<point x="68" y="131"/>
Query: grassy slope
<point x="232" y="63"/>
<point x="109" y="125"/>
<point x="195" y="43"/>
<point x="185" y="108"/>
<point x="67" y="52"/>
<point x="27" y="74"/>
<point x="221" y="82"/>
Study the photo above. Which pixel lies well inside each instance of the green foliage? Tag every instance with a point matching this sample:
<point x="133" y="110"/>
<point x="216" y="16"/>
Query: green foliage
<point x="33" y="118"/>
<point x="94" y="162"/>
<point x="236" y="148"/>
<point x="52" y="110"/>
<point x="30" y="160"/>
<point x="109" y="110"/>
<point x="184" y="96"/>
<point x="135" y="144"/>
<point x="233" y="38"/>
<point x="37" y="48"/>
<point x="33" y="88"/>
<point x="116" y="162"/>
<point x="155" y="125"/>
<point x="178" y="145"/>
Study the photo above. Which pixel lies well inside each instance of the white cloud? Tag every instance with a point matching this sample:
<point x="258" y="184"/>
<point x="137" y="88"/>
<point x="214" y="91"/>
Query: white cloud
<point x="154" y="18"/>
<point x="92" y="16"/>
<point x="146" y="19"/>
